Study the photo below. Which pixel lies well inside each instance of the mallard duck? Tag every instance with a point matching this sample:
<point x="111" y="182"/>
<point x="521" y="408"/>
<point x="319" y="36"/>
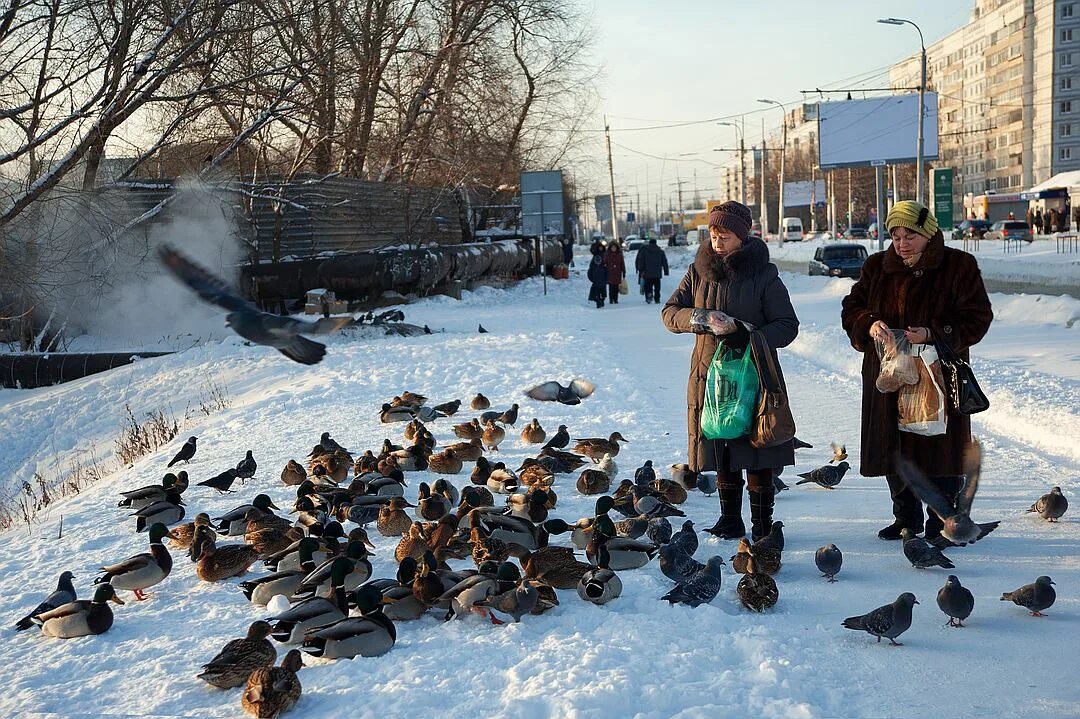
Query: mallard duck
<point x="593" y="481"/>
<point x="371" y="634"/>
<point x="502" y="480"/>
<point x="555" y="565"/>
<point x="362" y="510"/>
<point x="480" y="472"/>
<point x="143" y="570"/>
<point x="533" y="433"/>
<point x="294" y="473"/>
<point x="757" y="591"/>
<point x="272" y="691"/>
<point x="427" y="586"/>
<point x="533" y="474"/>
<point x="445" y="488"/>
<point x="485" y="548"/>
<point x="367" y="462"/>
<point x="623" y="553"/>
<point x="401" y="413"/>
<point x="698" y="588"/>
<point x="682" y="474"/>
<point x="291" y="625"/>
<point x="473" y="497"/>
<point x="392" y="485"/>
<point x="239" y="658"/>
<point x="81" y="617"/>
<point x="581" y="532"/>
<point x="412" y="544"/>
<point x="215" y="563"/>
<point x="469" y="430"/>
<point x="261" y="590"/>
<point x="531" y="506"/>
<point x="63" y="594"/>
<point x="182" y="534"/>
<point x="412" y="429"/>
<point x="413" y="399"/>
<point x="767" y="559"/>
<point x="146" y="495"/>
<point x="327" y="546"/>
<point x="493" y="436"/>
<point x="468" y="451"/>
<point x="632" y="527"/>
<point x="670" y="492"/>
<point x="600" y="585"/>
<point x="393" y="520"/>
<point x="357" y="569"/>
<point x="167" y="511"/>
<point x="463" y="596"/>
<point x="480" y="402"/>
<point x="258" y="519"/>
<point x="269" y="540"/>
<point x="562" y="462"/>
<point x="515" y="530"/>
<point x="446" y="462"/>
<point x="549" y="493"/>
<point x="335" y="466"/>
<point x="233" y="522"/>
<point x="432" y="507"/>
<point x="596" y="447"/>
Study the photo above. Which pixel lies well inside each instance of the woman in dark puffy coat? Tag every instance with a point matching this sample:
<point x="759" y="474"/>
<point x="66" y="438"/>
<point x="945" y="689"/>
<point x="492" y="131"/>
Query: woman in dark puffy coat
<point x="616" y="270"/>
<point x="597" y="280"/>
<point x="731" y="274"/>
<point x="931" y="292"/>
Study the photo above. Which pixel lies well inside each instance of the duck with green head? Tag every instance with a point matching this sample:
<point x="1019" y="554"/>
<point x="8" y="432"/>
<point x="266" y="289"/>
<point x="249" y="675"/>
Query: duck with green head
<point x="80" y="618"/>
<point x="262" y="589"/>
<point x="143" y="570"/>
<point x="369" y="635"/>
<point x="291" y="625"/>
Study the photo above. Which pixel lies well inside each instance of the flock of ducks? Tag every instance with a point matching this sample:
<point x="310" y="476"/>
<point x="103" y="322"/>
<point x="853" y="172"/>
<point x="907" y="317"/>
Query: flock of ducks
<point x="319" y="587"/>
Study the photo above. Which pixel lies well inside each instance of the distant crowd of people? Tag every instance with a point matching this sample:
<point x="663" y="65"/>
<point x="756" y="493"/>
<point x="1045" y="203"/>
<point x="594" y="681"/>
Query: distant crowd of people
<point x="1053" y="220"/>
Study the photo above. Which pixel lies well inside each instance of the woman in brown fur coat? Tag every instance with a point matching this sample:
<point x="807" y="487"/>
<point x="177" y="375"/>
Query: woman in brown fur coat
<point x="932" y="292"/>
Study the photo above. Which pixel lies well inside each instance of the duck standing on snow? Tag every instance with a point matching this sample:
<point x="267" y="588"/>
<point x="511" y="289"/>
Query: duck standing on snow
<point x="236" y="661"/>
<point x="184" y="534"/>
<point x="143" y="570"/>
<point x="272" y="691"/>
<point x="493" y="436"/>
<point x="80" y="618"/>
<point x="596" y="447"/>
<point x="63" y="594"/>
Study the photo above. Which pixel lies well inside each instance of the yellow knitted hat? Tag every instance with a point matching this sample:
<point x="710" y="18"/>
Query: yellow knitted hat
<point x="912" y="215"/>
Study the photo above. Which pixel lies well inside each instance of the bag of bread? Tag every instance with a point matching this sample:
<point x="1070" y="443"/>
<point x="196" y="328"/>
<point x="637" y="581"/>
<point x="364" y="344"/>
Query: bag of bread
<point x="897" y="363"/>
<point x="921" y="407"/>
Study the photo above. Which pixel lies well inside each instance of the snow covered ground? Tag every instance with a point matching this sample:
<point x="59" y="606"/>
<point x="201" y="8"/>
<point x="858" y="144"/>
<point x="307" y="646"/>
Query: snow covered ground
<point x="636" y="656"/>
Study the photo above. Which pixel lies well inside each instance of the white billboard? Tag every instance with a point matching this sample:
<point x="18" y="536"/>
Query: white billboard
<point x="856" y="133"/>
<point x="542" y="203"/>
<point x="799" y="194"/>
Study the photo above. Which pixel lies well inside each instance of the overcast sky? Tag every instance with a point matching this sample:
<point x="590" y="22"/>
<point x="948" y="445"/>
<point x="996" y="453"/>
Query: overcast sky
<point x="676" y="61"/>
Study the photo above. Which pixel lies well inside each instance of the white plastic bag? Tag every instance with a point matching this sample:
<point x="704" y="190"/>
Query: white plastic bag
<point x="897" y="362"/>
<point x="921" y="407"/>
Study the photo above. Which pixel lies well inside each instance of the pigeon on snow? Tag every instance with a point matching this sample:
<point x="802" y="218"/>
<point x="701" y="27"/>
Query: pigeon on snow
<point x="1051" y="506"/>
<point x="699" y="588"/>
<point x="829" y="560"/>
<point x="889" y="620"/>
<point x="956" y="601"/>
<point x="827" y="476"/>
<point x="921" y="553"/>
<point x="1033" y="597"/>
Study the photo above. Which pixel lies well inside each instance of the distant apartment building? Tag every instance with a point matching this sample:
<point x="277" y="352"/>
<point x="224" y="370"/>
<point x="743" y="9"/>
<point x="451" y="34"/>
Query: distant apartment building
<point x="1008" y="84"/>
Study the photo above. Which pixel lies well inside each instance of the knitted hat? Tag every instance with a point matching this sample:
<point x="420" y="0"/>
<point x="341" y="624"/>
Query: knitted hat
<point x="733" y="216"/>
<point x="913" y="216"/>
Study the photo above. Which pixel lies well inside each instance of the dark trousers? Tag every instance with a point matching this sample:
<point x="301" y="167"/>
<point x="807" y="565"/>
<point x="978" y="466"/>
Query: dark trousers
<point x="596" y="294"/>
<point x="756" y="479"/>
<point x="652" y="290"/>
<point x="613" y="294"/>
<point x="908" y="509"/>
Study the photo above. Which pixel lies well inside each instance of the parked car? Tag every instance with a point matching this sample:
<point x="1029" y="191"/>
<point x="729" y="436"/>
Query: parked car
<point x="633" y="242"/>
<point x="679" y="240"/>
<point x="970" y="229"/>
<point x="793" y="229"/>
<point x="843" y="259"/>
<point x="856" y="232"/>
<point x="1009" y="230"/>
<point x="755" y="229"/>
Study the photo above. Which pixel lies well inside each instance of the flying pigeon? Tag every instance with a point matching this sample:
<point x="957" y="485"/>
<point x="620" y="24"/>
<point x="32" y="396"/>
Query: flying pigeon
<point x="956" y="601"/>
<point x="827" y="476"/>
<point x="1033" y="597"/>
<point x="1051" y="506"/>
<point x="186" y="452"/>
<point x="921" y="553"/>
<point x="799" y="444"/>
<point x="839" y="452"/>
<point x="828" y="560"/>
<point x="958" y="527"/>
<point x="552" y="391"/>
<point x="889" y="621"/>
<point x="247" y="320"/>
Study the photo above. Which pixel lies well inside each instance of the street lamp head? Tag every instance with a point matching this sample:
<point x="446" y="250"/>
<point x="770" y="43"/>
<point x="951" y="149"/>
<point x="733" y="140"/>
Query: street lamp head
<point x="890" y="21"/>
<point x="767" y="102"/>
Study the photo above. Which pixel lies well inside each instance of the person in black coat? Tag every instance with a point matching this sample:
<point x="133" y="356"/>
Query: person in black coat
<point x="598" y="280"/>
<point x="567" y="251"/>
<point x="650" y="262"/>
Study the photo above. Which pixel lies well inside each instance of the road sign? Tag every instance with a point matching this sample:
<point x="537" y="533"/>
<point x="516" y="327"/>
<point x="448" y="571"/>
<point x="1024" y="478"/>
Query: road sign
<point x="542" y="203"/>
<point x="942" y="187"/>
<point x="630" y="217"/>
<point x="890" y="193"/>
<point x="877" y="163"/>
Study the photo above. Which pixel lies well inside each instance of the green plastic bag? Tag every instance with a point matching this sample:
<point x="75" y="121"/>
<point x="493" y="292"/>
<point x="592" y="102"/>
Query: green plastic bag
<point x="731" y="394"/>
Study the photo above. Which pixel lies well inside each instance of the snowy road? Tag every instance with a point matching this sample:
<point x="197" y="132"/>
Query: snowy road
<point x="634" y="657"/>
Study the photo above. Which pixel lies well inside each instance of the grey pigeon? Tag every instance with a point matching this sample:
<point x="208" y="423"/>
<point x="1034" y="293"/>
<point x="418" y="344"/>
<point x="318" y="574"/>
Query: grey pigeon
<point x="827" y="476"/>
<point x="921" y="553"/>
<point x="773" y="540"/>
<point x="686" y="539"/>
<point x="700" y="588"/>
<point x="645" y="475"/>
<point x="1033" y="597"/>
<point x="958" y="527"/>
<point x="480" y="329"/>
<point x="247" y="320"/>
<point x="659" y="530"/>
<point x="552" y="391"/>
<point x="63" y="594"/>
<point x="186" y="452"/>
<point x="560" y="440"/>
<point x="777" y="483"/>
<point x="678" y="566"/>
<point x="956" y="601"/>
<point x="246" y="467"/>
<point x="1051" y="506"/>
<point x="651" y="506"/>
<point x="829" y="560"/>
<point x="707" y="483"/>
<point x="889" y="620"/>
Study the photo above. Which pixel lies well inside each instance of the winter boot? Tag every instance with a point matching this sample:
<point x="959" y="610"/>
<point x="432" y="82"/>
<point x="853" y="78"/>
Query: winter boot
<point x="906" y="507"/>
<point x="949" y="488"/>
<point x="761" y="509"/>
<point x="730" y="524"/>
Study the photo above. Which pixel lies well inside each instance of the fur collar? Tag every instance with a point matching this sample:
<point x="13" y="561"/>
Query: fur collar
<point x="747" y="261"/>
<point x="930" y="260"/>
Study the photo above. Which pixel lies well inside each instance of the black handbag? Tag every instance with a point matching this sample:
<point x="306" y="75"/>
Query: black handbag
<point x="965" y="395"/>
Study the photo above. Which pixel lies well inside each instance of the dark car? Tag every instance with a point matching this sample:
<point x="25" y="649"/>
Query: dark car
<point x="971" y="229"/>
<point x="856" y="232"/>
<point x="1009" y="230"/>
<point x="839" y="260"/>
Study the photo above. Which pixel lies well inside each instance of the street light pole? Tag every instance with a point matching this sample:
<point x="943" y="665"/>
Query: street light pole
<point x="783" y="152"/>
<point x="740" y="135"/>
<point x="920" y="181"/>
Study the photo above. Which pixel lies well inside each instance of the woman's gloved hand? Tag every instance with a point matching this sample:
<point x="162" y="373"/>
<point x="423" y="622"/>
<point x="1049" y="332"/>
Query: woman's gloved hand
<point x="711" y="322"/>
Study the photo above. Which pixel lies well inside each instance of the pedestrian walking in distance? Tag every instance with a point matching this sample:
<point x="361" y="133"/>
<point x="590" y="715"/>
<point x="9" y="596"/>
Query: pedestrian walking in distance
<point x="651" y="263"/>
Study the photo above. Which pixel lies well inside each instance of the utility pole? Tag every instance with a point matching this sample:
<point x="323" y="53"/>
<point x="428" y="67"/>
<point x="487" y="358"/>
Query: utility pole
<point x="761" y="185"/>
<point x="832" y="203"/>
<point x="742" y="162"/>
<point x="813" y="198"/>
<point x="850" y="204"/>
<point x="611" y="176"/>
<point x="783" y="152"/>
<point x="920" y="181"/>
